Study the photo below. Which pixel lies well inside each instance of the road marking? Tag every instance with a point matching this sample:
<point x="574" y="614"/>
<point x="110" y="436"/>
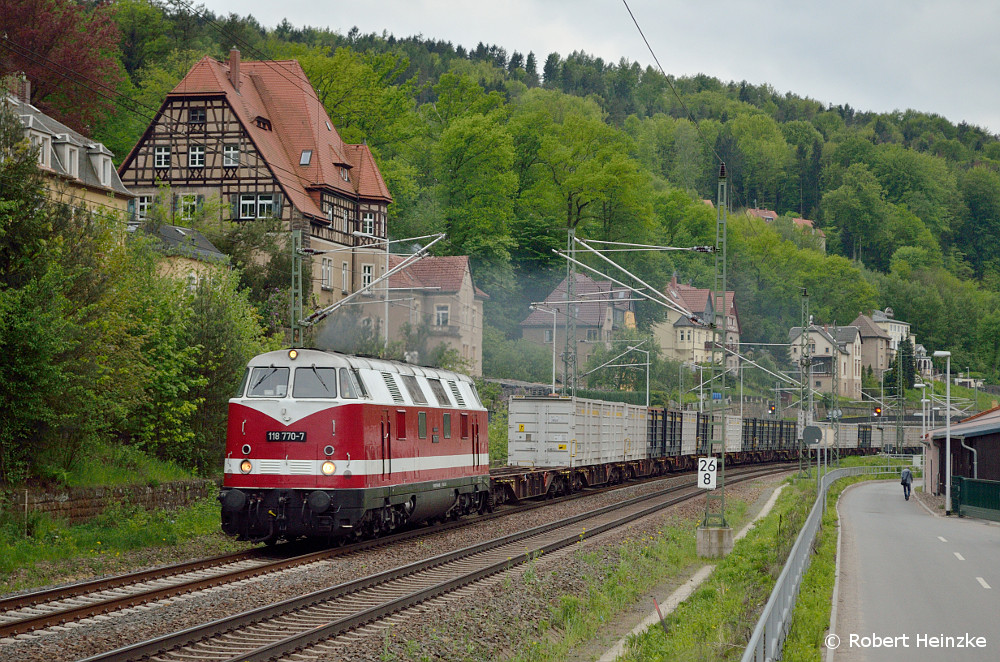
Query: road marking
<point x="983" y="582"/>
<point x="942" y="539"/>
<point x="959" y="556"/>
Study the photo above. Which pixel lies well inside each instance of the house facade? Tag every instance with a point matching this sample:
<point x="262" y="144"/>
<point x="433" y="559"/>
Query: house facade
<point x="876" y="351"/>
<point x="251" y="140"/>
<point x="78" y="171"/>
<point x="599" y="310"/>
<point x="690" y="340"/>
<point x="830" y="348"/>
<point x="897" y="330"/>
<point x="438" y="293"/>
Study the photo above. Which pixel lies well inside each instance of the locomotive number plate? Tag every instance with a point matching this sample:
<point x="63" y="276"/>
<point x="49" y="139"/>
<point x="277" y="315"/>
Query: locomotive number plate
<point x="286" y="435"/>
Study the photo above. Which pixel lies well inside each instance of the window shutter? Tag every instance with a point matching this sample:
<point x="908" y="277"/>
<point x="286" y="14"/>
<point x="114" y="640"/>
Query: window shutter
<point x="173" y="205"/>
<point x="200" y="203"/>
<point x="234" y="206"/>
<point x="278" y="199"/>
<point x="131" y="209"/>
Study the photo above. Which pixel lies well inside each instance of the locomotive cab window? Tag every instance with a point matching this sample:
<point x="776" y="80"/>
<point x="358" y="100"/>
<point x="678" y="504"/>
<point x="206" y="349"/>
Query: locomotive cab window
<point x="243" y="384"/>
<point x="348" y="390"/>
<point x="422" y="425"/>
<point x="313" y="382"/>
<point x="269" y="382"/>
<point x="360" y="383"/>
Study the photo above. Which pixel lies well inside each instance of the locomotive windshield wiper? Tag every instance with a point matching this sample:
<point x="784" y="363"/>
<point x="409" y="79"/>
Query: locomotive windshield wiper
<point x="274" y="369"/>
<point x="316" y="372"/>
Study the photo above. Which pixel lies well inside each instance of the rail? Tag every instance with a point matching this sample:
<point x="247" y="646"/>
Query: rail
<point x="768" y="637"/>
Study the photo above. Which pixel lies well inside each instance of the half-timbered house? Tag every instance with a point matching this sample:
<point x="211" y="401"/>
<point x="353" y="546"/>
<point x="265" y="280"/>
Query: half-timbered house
<point x="254" y="138"/>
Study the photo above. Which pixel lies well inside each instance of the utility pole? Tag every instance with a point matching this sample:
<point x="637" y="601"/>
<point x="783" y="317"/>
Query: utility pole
<point x="901" y="401"/>
<point x="296" y="307"/>
<point x="569" y="356"/>
<point x="835" y="386"/>
<point x="803" y="367"/>
<point x="715" y="501"/>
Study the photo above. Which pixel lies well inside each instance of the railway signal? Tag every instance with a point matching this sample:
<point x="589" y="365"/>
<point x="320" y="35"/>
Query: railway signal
<point x="770" y="410"/>
<point x="877" y="413"/>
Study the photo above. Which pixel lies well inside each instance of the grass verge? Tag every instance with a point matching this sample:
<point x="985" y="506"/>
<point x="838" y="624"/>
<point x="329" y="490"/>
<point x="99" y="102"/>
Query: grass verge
<point x="716" y="621"/>
<point x="114" y="542"/>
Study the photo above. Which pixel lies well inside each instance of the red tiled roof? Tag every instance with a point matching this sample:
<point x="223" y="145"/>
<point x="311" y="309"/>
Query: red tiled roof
<point x="697" y="300"/>
<point x="766" y="214"/>
<point x="447" y="273"/>
<point x="805" y="223"/>
<point x="590" y="310"/>
<point x="280" y="92"/>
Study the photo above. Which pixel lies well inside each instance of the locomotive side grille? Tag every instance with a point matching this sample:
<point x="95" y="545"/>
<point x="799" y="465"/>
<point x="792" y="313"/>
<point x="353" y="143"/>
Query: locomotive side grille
<point x="390" y="383"/>
<point x="300" y="467"/>
<point x="458" y="396"/>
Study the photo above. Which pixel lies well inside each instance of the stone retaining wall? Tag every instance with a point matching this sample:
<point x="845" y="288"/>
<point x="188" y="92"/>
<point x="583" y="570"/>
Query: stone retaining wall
<point x="79" y="504"/>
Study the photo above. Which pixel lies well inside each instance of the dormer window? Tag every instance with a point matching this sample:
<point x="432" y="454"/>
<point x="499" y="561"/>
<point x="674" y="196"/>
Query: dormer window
<point x="105" y="171"/>
<point x="344" y="175"/>
<point x="196" y="116"/>
<point x="72" y="161"/>
<point x="262" y="123"/>
<point x="44" y="145"/>
<point x="306" y="157"/>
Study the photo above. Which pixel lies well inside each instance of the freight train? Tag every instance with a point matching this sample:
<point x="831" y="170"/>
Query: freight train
<point x="322" y="444"/>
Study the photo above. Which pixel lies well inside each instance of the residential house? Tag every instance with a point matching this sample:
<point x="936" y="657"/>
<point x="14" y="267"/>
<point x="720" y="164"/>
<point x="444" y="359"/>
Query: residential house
<point x="187" y="253"/>
<point x="766" y="215"/>
<point x="599" y="310"/>
<point x="439" y="293"/>
<point x="809" y="228"/>
<point x="923" y="363"/>
<point x="898" y="330"/>
<point x="875" y="345"/>
<point x="255" y="138"/>
<point x="829" y="348"/>
<point x="688" y="338"/>
<point x="77" y="170"/>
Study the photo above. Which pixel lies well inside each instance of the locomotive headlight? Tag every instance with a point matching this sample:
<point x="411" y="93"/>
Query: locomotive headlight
<point x="293" y="354"/>
<point x="246" y="466"/>
<point x="328" y="468"/>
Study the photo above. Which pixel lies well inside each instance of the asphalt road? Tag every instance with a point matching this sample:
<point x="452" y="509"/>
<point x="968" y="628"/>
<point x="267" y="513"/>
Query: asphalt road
<point x="914" y="586"/>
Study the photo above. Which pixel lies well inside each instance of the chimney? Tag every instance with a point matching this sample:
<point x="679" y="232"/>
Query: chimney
<point x="234" y="68"/>
<point x="24" y="89"/>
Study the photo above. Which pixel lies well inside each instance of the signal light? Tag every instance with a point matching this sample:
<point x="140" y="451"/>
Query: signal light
<point x="877" y="412"/>
<point x="770" y="409"/>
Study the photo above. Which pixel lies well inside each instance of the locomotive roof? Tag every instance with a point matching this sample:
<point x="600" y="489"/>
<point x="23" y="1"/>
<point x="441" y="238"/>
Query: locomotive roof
<point x="318" y="356"/>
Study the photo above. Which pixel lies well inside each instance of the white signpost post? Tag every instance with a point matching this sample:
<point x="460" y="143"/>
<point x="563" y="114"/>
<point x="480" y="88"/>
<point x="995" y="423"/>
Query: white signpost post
<point x="707" y="466"/>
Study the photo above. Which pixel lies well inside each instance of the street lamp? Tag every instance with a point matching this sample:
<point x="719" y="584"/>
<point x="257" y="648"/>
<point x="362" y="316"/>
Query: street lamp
<point x="944" y="354"/>
<point x="923" y="427"/>
<point x="554" y="314"/>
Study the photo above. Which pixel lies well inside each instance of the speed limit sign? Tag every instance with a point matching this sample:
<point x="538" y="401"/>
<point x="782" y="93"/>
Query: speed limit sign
<point x="706" y="472"/>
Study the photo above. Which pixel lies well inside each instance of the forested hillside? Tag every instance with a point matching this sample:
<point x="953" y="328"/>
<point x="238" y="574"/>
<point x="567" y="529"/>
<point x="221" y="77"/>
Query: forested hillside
<point x="505" y="151"/>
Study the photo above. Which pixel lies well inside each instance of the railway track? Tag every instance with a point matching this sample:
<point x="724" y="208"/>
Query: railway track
<point x="57" y="606"/>
<point x="314" y="621"/>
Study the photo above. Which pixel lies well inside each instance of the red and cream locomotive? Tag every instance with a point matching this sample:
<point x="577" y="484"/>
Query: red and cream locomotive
<point x="328" y="445"/>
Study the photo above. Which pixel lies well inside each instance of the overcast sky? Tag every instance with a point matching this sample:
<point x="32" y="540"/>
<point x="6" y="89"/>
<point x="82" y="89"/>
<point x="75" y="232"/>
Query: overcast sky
<point x="935" y="56"/>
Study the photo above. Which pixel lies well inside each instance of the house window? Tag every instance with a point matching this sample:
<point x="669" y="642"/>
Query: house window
<point x="265" y="206"/>
<point x="161" y="157"/>
<point x="366" y="277"/>
<point x="196" y="116"/>
<point x="105" y="171"/>
<point x="593" y="335"/>
<point x="368" y="223"/>
<point x="344" y="175"/>
<point x="43" y="143"/>
<point x="548" y="335"/>
<point x="248" y="206"/>
<point x="189" y="206"/>
<point x="231" y="156"/>
<point x="343" y="277"/>
<point x="441" y="314"/>
<point x="142" y="206"/>
<point x="73" y="161"/>
<point x="327" y="272"/>
<point x="196" y="156"/>
<point x="305" y="157"/>
<point x="328" y="210"/>
<point x="344" y="226"/>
